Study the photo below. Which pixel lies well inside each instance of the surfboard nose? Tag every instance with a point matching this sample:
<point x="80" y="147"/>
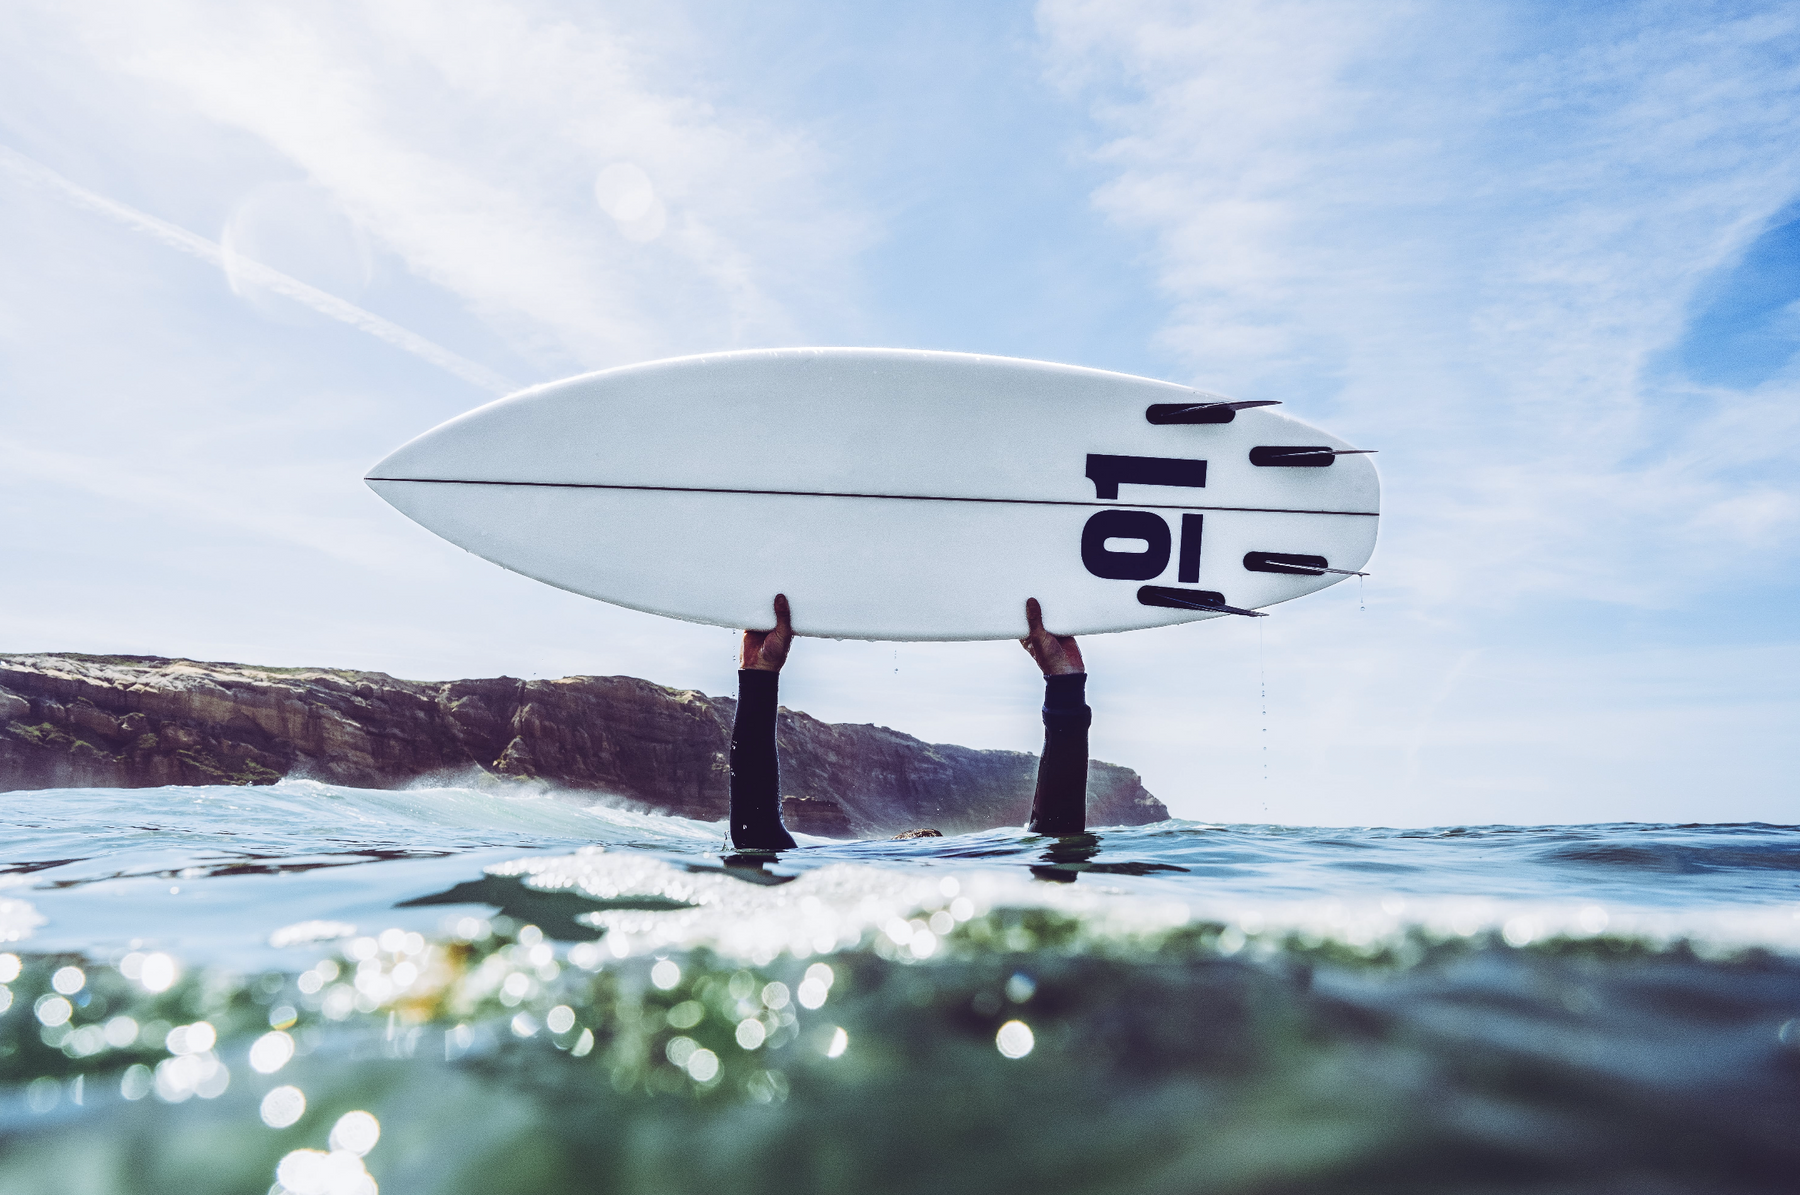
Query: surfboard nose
<point x="378" y="471"/>
<point x="413" y="460"/>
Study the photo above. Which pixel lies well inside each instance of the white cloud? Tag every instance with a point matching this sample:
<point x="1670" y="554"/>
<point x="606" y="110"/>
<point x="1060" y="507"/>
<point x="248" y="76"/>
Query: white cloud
<point x="1467" y="235"/>
<point x="1462" y="234"/>
<point x="185" y="462"/>
<point x="248" y="275"/>
<point x="466" y="137"/>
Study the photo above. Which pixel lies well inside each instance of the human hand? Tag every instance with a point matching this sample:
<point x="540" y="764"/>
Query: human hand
<point x="1057" y="655"/>
<point x="767" y="651"/>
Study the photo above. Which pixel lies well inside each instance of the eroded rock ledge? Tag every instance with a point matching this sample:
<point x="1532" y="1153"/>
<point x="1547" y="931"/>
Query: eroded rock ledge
<point x="138" y="721"/>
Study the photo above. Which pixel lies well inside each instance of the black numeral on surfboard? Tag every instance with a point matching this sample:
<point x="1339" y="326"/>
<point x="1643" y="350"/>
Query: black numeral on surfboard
<point x="1151" y="530"/>
<point x="1188" y="568"/>
<point x="1125" y="524"/>
<point x="1147" y="563"/>
<point x="1108" y="473"/>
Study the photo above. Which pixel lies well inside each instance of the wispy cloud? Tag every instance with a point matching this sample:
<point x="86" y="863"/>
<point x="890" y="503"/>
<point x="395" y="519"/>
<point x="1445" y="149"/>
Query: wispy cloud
<point x="1466" y="233"/>
<point x="467" y="138"/>
<point x="23" y="169"/>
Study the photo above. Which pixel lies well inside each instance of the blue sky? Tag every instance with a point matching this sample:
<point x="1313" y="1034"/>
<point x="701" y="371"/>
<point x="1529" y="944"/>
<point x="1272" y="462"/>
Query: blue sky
<point x="1545" y="258"/>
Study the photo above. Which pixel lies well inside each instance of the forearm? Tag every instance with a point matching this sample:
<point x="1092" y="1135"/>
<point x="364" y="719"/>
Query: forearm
<point x="1060" y="804"/>
<point x="755" y="769"/>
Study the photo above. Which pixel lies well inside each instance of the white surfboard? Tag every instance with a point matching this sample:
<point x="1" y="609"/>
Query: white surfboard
<point x="894" y="494"/>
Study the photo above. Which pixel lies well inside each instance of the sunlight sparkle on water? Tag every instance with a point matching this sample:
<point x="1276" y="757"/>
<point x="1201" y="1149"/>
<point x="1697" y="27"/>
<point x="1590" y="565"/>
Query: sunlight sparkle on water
<point x="188" y="1075"/>
<point x="136" y="1082"/>
<point x="1519" y="931"/>
<point x="703" y="1065"/>
<point x="357" y="1132"/>
<point x="283" y="1106"/>
<point x="815" y="986"/>
<point x="1015" y="1039"/>
<point x="472" y="929"/>
<point x="271" y="1052"/>
<point x="310" y="931"/>
<point x="158" y="973"/>
<point x="314" y="1172"/>
<point x="191" y="1039"/>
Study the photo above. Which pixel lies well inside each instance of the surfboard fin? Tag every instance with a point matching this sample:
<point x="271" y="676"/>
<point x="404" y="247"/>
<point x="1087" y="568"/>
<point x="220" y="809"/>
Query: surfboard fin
<point x="1288" y="562"/>
<point x="1191" y="599"/>
<point x="1201" y="412"/>
<point x="1301" y="456"/>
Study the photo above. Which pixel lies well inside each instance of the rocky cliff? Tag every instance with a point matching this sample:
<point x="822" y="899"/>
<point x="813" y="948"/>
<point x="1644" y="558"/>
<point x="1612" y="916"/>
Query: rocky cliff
<point x="138" y="721"/>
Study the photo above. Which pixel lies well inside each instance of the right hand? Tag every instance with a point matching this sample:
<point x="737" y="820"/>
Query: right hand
<point x="1057" y="655"/>
<point x="767" y="651"/>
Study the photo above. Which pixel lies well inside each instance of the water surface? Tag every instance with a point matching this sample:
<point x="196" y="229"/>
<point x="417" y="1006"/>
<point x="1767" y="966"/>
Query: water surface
<point x="525" y="993"/>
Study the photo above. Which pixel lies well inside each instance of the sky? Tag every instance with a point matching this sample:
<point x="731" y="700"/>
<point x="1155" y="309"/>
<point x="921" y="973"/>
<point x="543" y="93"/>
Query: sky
<point x="1545" y="258"/>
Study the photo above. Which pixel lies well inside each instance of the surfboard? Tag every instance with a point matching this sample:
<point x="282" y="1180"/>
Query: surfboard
<point x="895" y="494"/>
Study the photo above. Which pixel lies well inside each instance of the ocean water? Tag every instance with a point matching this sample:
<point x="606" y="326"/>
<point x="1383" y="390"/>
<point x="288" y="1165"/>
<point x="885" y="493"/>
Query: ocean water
<point x="316" y="990"/>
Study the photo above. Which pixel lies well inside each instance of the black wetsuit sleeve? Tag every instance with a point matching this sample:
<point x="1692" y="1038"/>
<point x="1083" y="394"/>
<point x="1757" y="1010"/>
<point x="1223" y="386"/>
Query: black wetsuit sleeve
<point x="1060" y="805"/>
<point x="755" y="769"/>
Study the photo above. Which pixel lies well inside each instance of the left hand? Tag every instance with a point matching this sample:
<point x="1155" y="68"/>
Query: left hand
<point x="767" y="651"/>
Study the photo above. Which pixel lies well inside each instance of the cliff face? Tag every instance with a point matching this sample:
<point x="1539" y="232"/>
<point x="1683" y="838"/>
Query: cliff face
<point x="138" y="721"/>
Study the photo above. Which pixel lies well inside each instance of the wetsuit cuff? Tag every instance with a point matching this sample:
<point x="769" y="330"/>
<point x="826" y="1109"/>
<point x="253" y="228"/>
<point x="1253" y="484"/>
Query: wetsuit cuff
<point x="1065" y="693"/>
<point x="757" y="682"/>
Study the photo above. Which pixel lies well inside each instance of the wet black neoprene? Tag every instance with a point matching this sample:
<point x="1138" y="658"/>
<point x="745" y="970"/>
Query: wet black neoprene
<point x="755" y="769"/>
<point x="1059" y="806"/>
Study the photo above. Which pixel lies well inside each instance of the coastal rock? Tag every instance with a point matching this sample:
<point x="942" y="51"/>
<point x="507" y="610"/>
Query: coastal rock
<point x="140" y="721"/>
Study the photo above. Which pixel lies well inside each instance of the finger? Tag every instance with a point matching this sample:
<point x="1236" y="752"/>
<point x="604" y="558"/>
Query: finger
<point x="1034" y="615"/>
<point x="783" y="613"/>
